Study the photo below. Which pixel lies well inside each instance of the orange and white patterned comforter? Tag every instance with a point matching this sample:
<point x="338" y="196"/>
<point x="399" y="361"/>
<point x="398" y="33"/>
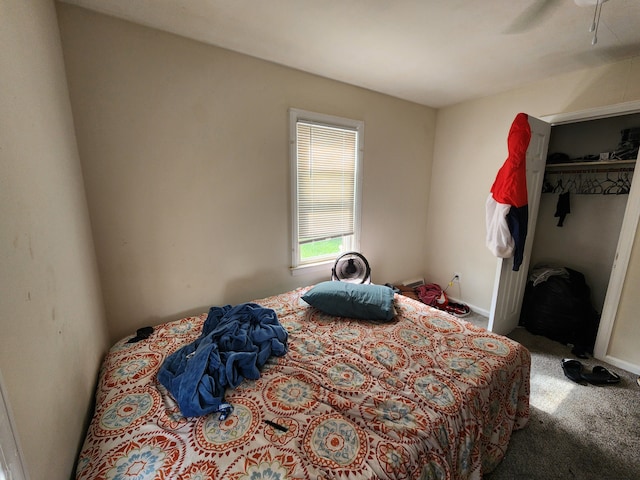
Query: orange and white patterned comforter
<point x="425" y="396"/>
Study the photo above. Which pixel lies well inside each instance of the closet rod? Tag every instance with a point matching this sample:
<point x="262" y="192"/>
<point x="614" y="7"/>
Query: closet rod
<point x="591" y="170"/>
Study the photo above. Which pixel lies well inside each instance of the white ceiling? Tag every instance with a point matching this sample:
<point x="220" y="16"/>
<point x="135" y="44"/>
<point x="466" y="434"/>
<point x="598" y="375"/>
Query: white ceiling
<point x="433" y="52"/>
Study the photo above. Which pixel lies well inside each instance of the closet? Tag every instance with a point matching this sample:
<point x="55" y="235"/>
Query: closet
<point x="588" y="176"/>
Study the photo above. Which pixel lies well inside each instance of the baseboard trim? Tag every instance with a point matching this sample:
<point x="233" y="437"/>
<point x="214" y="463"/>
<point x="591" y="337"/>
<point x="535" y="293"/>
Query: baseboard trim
<point x="616" y="362"/>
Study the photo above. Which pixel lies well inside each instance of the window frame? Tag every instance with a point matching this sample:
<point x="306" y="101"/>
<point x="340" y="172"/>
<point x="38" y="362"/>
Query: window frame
<point x="296" y="115"/>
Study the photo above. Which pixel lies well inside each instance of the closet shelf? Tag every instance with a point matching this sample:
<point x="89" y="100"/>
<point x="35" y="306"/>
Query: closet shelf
<point x="600" y="165"/>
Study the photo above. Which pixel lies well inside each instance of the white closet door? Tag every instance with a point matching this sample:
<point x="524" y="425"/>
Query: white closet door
<point x="508" y="290"/>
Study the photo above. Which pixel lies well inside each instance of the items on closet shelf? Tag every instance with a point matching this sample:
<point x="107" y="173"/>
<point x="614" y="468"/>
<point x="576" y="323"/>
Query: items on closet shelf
<point x="627" y="149"/>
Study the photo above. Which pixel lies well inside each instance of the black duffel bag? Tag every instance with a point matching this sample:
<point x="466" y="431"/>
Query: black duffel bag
<point x="560" y="308"/>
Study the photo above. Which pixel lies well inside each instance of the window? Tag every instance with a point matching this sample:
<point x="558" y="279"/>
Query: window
<point x="326" y="159"/>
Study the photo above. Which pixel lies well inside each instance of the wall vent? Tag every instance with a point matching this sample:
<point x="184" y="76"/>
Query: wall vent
<point x="413" y="283"/>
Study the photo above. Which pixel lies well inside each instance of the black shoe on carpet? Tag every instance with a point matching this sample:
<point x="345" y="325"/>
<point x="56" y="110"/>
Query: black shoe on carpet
<point x="601" y="376"/>
<point x="573" y="370"/>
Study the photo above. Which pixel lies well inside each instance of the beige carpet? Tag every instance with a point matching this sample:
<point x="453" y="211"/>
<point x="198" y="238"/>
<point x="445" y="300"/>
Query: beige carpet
<point x="582" y="432"/>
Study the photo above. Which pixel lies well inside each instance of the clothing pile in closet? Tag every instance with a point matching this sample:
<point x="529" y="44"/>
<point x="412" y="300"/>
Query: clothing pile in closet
<point x="557" y="304"/>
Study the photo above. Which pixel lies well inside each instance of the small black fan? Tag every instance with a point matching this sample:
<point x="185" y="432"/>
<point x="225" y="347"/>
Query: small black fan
<point x="351" y="267"/>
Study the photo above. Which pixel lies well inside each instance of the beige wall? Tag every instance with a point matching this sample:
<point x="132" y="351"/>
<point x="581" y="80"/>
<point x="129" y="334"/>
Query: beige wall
<point x="470" y="147"/>
<point x="185" y="153"/>
<point x="51" y="317"/>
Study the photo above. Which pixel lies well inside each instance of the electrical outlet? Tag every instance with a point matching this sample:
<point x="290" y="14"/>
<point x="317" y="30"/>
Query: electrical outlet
<point x="456" y="277"/>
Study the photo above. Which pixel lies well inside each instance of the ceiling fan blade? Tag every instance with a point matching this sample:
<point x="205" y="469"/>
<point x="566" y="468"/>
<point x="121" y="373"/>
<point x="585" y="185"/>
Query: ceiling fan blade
<point x="535" y="13"/>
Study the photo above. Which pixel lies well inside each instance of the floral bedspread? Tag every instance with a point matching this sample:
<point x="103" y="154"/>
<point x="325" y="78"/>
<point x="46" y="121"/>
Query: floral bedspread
<point x="426" y="396"/>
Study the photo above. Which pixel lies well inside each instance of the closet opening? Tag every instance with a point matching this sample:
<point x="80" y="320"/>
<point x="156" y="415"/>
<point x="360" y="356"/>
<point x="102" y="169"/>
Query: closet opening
<point x="597" y="235"/>
<point x="598" y="232"/>
<point x="586" y="186"/>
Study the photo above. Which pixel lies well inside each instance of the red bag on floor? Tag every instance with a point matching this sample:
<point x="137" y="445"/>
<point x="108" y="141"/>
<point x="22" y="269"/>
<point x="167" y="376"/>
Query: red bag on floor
<point x="432" y="294"/>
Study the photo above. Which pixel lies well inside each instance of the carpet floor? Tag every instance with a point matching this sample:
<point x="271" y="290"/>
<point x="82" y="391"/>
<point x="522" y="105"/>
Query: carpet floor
<point x="574" y="431"/>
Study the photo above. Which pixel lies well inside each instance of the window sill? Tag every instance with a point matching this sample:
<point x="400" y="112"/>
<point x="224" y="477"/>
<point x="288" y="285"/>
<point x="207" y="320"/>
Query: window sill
<point x="312" y="268"/>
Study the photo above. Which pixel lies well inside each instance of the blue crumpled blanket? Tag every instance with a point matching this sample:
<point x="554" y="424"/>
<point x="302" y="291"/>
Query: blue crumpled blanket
<point x="235" y="343"/>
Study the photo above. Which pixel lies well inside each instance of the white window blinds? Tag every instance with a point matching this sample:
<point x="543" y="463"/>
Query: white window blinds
<point x="326" y="178"/>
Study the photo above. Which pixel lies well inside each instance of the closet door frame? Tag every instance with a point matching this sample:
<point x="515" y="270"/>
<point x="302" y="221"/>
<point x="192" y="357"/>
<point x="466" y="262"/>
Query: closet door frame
<point x="625" y="240"/>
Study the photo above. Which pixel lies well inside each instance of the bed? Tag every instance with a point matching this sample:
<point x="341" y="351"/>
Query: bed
<point x="424" y="395"/>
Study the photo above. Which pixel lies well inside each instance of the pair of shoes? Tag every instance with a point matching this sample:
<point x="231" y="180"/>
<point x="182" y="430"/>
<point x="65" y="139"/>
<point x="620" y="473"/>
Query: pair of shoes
<point x="458" y="309"/>
<point x="574" y="370"/>
<point x="601" y="376"/>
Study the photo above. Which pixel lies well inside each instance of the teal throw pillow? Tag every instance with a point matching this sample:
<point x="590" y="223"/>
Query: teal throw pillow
<point x="354" y="300"/>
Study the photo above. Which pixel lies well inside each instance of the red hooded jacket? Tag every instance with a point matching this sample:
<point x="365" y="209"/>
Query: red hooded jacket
<point x="507" y="209"/>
